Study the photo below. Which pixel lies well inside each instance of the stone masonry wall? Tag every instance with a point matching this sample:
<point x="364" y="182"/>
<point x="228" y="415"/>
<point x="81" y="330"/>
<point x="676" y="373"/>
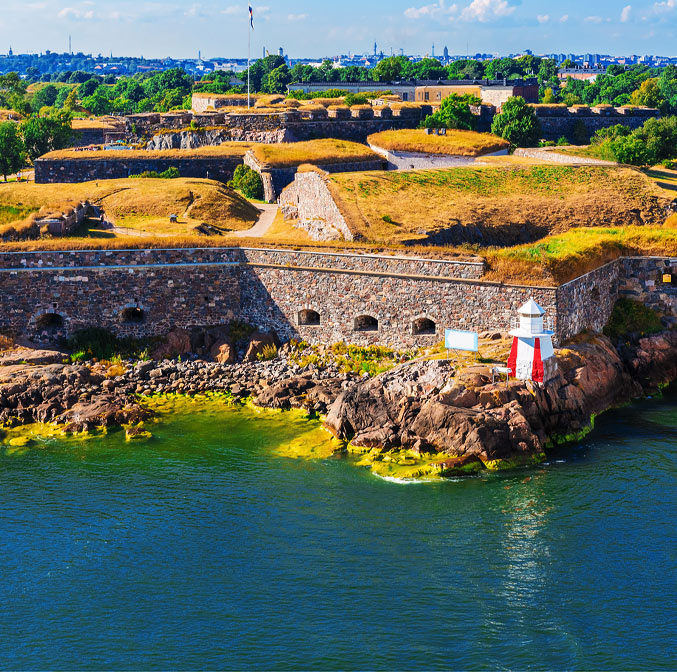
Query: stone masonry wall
<point x="309" y="200"/>
<point x="280" y="178"/>
<point x="271" y="288"/>
<point x="84" y="169"/>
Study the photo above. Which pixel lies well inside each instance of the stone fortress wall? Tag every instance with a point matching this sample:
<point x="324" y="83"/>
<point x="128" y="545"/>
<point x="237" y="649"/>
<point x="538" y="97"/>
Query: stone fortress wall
<point x="321" y="297"/>
<point x="87" y="169"/>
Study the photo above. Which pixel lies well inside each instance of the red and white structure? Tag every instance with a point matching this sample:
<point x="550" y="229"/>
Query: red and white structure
<point x="532" y="356"/>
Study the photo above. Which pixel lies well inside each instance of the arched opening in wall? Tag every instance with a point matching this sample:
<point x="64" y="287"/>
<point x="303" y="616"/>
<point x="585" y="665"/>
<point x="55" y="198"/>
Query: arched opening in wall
<point x="595" y="295"/>
<point x="423" y="327"/>
<point x="366" y="323"/>
<point x="309" y="318"/>
<point x="133" y="315"/>
<point x="49" y="321"/>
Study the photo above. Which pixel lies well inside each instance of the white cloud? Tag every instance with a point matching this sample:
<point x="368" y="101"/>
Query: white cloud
<point x="625" y="14"/>
<point x="234" y="9"/>
<point x="564" y="18"/>
<point x="593" y="19"/>
<point x="436" y="9"/>
<point x="297" y="17"/>
<point x="74" y="13"/>
<point x="543" y="18"/>
<point x="665" y="6"/>
<point x="485" y="10"/>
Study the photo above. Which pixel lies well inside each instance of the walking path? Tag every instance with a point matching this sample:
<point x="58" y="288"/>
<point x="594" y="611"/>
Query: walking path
<point x="268" y="214"/>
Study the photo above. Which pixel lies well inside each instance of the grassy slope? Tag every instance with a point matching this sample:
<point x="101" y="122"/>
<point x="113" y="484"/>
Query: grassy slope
<point x="314" y="151"/>
<point x="236" y="149"/>
<point x="454" y="143"/>
<point x="564" y="257"/>
<point x="143" y="204"/>
<point x="505" y="203"/>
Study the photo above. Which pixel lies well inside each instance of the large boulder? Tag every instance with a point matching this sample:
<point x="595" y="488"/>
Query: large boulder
<point x="223" y="352"/>
<point x="258" y="341"/>
<point x="177" y="343"/>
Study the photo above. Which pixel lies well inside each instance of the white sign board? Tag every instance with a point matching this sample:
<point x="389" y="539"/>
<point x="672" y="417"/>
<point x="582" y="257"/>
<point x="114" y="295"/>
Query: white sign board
<point x="461" y="340"/>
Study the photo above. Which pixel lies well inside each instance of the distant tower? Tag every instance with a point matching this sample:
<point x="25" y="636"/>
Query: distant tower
<point x="532" y="356"/>
<point x="70" y="45"/>
<point x="280" y="52"/>
<point x="199" y="55"/>
<point x="375" y="49"/>
<point x="401" y="51"/>
<point x="264" y="52"/>
<point x="10" y="52"/>
<point x="446" y="53"/>
<point x="433" y="50"/>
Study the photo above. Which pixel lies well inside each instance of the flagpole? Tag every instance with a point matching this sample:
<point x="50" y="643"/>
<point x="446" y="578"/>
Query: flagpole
<point x="249" y="51"/>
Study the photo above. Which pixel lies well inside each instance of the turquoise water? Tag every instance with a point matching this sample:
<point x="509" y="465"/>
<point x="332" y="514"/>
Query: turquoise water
<point x="207" y="548"/>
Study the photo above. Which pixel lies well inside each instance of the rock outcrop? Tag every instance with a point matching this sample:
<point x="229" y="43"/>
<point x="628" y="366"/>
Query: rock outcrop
<point x="427" y="409"/>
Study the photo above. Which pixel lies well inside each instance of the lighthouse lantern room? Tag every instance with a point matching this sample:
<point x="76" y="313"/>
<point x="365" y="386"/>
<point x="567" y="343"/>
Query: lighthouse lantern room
<point x="532" y="356"/>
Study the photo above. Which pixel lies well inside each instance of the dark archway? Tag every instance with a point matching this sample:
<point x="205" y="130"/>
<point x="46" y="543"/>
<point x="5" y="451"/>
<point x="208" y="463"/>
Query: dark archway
<point x="366" y="323"/>
<point x="309" y="318"/>
<point x="49" y="321"/>
<point x="133" y="315"/>
<point x="424" y="327"/>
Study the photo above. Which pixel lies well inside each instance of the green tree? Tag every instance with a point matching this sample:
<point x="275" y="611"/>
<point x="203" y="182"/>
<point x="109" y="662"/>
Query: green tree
<point x="428" y="68"/>
<point x="549" y="97"/>
<point x="668" y="86"/>
<point x="649" y="94"/>
<point x="517" y="123"/>
<point x="45" y="134"/>
<point x="45" y="97"/>
<point x="98" y="103"/>
<point x="454" y="112"/>
<point x="87" y="88"/>
<point x="278" y="79"/>
<point x="389" y="69"/>
<point x="11" y="149"/>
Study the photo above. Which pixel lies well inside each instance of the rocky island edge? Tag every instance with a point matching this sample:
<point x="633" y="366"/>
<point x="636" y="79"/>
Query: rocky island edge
<point x="420" y="419"/>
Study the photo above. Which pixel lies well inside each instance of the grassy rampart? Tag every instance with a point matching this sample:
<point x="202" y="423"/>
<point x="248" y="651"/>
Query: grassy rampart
<point x="229" y="149"/>
<point x="319" y="152"/>
<point x="494" y="205"/>
<point x="454" y="143"/>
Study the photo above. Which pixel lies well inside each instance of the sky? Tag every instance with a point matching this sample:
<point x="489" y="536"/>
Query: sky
<point x="316" y="28"/>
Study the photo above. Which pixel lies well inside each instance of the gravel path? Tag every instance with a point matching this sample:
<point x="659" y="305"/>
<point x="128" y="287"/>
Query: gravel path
<point x="268" y="214"/>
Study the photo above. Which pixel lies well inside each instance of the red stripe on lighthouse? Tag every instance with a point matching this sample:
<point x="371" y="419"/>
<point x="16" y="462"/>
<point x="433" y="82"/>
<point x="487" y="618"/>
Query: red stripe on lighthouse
<point x="537" y="371"/>
<point x="512" y="360"/>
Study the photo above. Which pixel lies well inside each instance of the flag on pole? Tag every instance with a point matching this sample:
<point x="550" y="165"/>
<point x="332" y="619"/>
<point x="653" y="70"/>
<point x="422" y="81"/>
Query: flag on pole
<point x="251" y="16"/>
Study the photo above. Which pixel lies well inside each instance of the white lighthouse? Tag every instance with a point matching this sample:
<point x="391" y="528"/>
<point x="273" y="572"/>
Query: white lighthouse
<point x="532" y="356"/>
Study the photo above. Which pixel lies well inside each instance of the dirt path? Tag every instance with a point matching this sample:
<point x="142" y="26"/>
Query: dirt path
<point x="268" y="214"/>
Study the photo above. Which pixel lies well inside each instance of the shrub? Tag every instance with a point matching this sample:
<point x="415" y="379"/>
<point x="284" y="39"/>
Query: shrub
<point x="632" y="317"/>
<point x="248" y="182"/>
<point x="169" y="174"/>
<point x="562" y="142"/>
<point x="454" y="112"/>
<point x="269" y="352"/>
<point x="517" y="123"/>
<point x="355" y="99"/>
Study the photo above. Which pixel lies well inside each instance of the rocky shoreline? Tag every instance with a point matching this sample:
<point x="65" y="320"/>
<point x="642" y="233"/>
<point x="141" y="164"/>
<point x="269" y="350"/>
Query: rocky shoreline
<point x="418" y="419"/>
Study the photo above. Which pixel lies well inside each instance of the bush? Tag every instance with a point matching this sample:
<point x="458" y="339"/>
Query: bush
<point x="269" y="352"/>
<point x="248" y="182"/>
<point x="454" y="112"/>
<point x="562" y="142"/>
<point x="355" y="99"/>
<point x="169" y="174"/>
<point x="517" y="123"/>
<point x="632" y="317"/>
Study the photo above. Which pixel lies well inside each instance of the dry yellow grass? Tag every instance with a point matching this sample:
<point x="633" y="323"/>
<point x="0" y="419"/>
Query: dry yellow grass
<point x="144" y="204"/>
<point x="319" y="152"/>
<point x="455" y="143"/>
<point x="493" y="206"/>
<point x="10" y="115"/>
<point x="97" y="123"/>
<point x="558" y="259"/>
<point x="228" y="149"/>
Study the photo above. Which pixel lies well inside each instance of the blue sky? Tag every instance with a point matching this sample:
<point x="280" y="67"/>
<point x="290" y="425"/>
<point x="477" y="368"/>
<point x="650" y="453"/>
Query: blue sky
<point x="313" y="28"/>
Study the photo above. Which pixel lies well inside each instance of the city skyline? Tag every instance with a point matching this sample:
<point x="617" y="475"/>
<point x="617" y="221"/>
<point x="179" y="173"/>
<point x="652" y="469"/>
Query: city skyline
<point x="306" y="30"/>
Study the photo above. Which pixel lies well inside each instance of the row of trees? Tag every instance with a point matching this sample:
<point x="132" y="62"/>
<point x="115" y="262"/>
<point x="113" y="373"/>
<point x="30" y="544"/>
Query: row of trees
<point x="20" y="143"/>
<point x="638" y="85"/>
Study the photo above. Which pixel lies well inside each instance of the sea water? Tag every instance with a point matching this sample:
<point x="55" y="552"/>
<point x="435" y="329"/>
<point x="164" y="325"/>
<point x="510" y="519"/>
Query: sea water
<point x="213" y="546"/>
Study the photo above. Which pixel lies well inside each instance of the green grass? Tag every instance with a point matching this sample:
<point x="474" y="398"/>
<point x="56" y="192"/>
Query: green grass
<point x="14" y="213"/>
